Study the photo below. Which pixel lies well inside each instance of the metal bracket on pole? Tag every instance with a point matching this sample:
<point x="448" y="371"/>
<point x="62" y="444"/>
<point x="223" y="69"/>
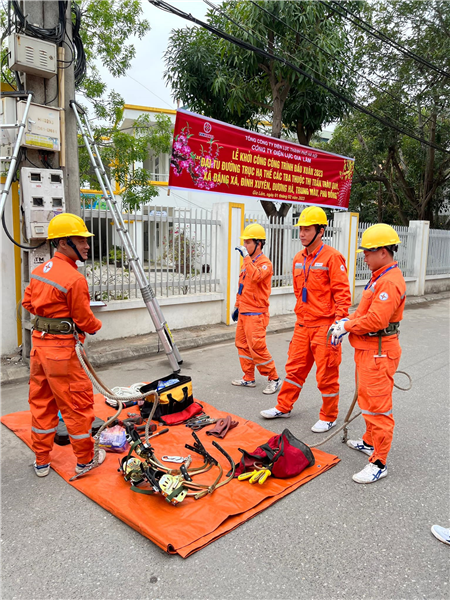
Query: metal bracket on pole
<point x="13" y="165"/>
<point x="162" y="329"/>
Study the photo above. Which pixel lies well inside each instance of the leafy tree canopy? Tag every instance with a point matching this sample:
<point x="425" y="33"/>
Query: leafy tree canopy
<point x="398" y="178"/>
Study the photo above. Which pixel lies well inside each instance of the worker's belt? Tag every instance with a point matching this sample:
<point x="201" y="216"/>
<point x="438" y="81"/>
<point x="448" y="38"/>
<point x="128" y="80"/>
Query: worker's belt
<point x="63" y="326"/>
<point x="391" y="329"/>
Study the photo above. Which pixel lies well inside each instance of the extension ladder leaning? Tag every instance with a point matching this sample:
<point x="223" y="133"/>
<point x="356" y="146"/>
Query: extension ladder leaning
<point x="13" y="164"/>
<point x="148" y="295"/>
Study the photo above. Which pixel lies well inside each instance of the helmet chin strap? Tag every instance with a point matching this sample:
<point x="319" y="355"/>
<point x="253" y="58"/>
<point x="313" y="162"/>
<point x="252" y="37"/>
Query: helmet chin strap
<point x="72" y="245"/>
<point x="256" y="248"/>
<point x="314" y="239"/>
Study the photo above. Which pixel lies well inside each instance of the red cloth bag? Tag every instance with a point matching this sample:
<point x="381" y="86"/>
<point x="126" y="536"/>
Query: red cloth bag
<point x="283" y="454"/>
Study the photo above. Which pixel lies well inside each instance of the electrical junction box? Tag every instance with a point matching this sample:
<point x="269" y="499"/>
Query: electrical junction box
<point x="42" y="194"/>
<point x="31" y="55"/>
<point x="43" y="127"/>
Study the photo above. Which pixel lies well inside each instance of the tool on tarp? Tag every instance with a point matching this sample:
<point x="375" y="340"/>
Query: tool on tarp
<point x="259" y="475"/>
<point x="175" y="459"/>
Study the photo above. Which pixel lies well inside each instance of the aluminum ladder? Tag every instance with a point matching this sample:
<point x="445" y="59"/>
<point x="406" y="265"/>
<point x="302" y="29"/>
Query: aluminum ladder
<point x="13" y="164"/>
<point x="148" y="295"/>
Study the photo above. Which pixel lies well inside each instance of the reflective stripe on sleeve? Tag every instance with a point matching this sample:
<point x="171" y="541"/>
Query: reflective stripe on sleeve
<point x="53" y="429"/>
<point x="49" y="282"/>
<point x="293" y="383"/>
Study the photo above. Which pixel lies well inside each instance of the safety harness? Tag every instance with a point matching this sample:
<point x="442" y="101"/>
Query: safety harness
<point x="391" y="329"/>
<point x="62" y="326"/>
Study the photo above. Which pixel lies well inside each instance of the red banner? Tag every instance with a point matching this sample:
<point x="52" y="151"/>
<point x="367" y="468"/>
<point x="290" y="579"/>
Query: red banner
<point x="209" y="155"/>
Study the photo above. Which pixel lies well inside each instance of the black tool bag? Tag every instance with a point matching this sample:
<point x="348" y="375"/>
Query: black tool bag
<point x="62" y="435"/>
<point x="172" y="399"/>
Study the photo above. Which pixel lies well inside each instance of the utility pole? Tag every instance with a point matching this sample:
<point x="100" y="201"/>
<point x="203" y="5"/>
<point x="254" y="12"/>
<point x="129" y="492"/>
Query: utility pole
<point x="55" y="92"/>
<point x="45" y="13"/>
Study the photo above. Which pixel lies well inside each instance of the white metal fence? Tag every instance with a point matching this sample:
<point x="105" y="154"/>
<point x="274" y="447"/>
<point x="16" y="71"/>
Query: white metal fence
<point x="404" y="256"/>
<point x="283" y="243"/>
<point x="438" y="262"/>
<point x="177" y="247"/>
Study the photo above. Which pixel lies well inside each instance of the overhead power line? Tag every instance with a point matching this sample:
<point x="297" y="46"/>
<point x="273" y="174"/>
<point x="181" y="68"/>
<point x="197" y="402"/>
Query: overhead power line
<point x="270" y="56"/>
<point x="371" y="83"/>
<point x="381" y="36"/>
<point x="334" y="58"/>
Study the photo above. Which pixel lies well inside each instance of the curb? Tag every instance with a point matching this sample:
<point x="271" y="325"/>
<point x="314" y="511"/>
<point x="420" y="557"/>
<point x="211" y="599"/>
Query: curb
<point x="103" y="354"/>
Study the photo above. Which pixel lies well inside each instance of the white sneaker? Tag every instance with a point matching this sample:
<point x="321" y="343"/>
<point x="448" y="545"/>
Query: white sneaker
<point x="244" y="383"/>
<point x="274" y="413"/>
<point x="441" y="533"/>
<point x="101" y="458"/>
<point x="41" y="470"/>
<point x="370" y="474"/>
<point x="360" y="446"/>
<point x="322" y="426"/>
<point x="273" y="385"/>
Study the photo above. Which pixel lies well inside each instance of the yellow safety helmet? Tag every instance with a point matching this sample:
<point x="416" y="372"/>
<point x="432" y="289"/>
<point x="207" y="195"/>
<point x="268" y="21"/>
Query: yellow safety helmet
<point x="254" y="231"/>
<point x="66" y="225"/>
<point x="378" y="236"/>
<point x="312" y="215"/>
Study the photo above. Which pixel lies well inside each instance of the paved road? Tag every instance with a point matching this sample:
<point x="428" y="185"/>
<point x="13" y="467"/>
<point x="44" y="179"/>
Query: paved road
<point x="331" y="538"/>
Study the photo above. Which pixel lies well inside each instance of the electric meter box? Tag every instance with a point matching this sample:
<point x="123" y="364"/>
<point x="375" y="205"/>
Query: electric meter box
<point x="42" y="194"/>
<point x="31" y="55"/>
<point x="43" y="127"/>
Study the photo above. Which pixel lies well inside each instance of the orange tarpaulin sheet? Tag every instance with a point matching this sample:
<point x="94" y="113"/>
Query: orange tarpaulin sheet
<point x="193" y="524"/>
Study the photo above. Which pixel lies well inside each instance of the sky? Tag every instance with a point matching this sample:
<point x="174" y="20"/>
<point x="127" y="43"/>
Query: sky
<point x="144" y="85"/>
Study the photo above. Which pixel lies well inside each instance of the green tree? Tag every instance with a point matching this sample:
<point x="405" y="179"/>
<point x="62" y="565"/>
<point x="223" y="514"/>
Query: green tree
<point x="221" y="80"/>
<point x="396" y="177"/>
<point x="122" y="151"/>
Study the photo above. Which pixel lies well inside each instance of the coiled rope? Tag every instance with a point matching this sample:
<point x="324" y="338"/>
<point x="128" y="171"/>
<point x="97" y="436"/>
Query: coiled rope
<point x="117" y="397"/>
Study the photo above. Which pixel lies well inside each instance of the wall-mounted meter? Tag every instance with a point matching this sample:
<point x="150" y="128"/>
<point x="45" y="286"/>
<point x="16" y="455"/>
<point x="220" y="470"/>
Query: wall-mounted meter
<point x="43" y="127"/>
<point x="42" y="194"/>
<point x="30" y="55"/>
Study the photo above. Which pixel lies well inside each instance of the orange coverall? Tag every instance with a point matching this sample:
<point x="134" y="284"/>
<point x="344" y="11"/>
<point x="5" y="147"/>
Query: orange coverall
<point x="57" y="380"/>
<point x="382" y="303"/>
<point x="328" y="298"/>
<point x="252" y="300"/>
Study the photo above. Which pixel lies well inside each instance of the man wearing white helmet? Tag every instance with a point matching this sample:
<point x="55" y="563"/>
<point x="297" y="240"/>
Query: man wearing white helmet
<point x="251" y="311"/>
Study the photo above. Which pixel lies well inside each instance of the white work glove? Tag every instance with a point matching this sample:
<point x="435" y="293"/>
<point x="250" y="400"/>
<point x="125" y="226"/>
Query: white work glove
<point x="338" y="331"/>
<point x="242" y="250"/>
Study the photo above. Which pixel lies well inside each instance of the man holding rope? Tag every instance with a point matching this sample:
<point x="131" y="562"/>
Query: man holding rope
<point x="58" y="296"/>
<point x="373" y="329"/>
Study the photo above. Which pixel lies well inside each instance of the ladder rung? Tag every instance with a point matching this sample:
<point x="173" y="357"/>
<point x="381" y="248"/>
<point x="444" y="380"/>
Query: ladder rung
<point x="11" y="125"/>
<point x="6" y="158"/>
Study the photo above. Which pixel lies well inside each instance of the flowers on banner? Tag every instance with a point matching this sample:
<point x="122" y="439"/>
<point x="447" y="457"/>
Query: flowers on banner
<point x="198" y="167"/>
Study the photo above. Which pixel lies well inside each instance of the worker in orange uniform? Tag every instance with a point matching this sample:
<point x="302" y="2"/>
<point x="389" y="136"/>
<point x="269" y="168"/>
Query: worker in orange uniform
<point x="251" y="311"/>
<point x="373" y="329"/>
<point x="58" y="296"/>
<point x="323" y="295"/>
